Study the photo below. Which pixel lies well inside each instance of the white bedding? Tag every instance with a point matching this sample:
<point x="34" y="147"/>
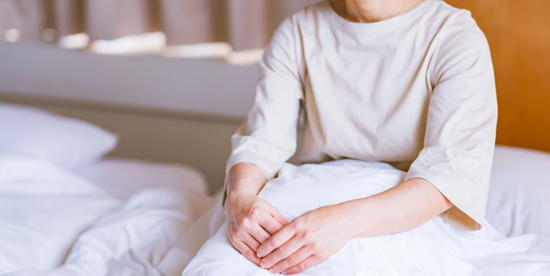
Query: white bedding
<point x="434" y="248"/>
<point x="520" y="191"/>
<point x="128" y="217"/>
<point x="117" y="218"/>
<point x="124" y="177"/>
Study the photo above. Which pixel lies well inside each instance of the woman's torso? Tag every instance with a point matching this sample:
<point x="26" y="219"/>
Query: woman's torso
<point x="367" y="86"/>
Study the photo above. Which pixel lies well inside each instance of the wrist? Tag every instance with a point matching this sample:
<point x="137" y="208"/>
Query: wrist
<point x="355" y="218"/>
<point x="245" y="177"/>
<point x="240" y="190"/>
<point x="342" y="216"/>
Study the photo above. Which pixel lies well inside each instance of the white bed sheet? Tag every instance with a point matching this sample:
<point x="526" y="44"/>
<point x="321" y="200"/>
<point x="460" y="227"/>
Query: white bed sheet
<point x="115" y="217"/>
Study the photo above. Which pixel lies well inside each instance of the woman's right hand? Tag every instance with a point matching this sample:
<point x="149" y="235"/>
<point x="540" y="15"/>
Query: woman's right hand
<point x="251" y="221"/>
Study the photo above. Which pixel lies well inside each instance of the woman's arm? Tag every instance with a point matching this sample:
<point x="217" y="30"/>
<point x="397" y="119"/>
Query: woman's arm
<point x="265" y="140"/>
<point x="251" y="220"/>
<point x="318" y="234"/>
<point x="245" y="178"/>
<point x="398" y="209"/>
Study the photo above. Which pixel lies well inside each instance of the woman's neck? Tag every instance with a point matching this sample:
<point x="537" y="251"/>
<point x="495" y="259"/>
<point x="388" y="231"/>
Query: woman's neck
<point x="368" y="11"/>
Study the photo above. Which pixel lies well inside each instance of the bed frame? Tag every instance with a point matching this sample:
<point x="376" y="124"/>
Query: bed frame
<point x="518" y="34"/>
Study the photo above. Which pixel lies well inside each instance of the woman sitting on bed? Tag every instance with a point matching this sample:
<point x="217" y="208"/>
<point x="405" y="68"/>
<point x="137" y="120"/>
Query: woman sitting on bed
<point x="408" y="82"/>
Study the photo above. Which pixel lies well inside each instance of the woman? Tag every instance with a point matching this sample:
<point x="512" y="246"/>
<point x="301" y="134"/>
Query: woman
<point x="408" y="82"/>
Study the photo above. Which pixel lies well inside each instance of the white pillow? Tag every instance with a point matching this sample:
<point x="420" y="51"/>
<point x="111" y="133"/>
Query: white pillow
<point x="519" y="197"/>
<point x="66" y="142"/>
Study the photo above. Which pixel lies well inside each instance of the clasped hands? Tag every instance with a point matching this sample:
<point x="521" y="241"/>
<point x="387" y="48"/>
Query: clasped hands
<point x="262" y="235"/>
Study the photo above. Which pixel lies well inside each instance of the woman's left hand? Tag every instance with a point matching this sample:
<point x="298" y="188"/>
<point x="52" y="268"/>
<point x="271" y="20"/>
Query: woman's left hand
<point x="307" y="240"/>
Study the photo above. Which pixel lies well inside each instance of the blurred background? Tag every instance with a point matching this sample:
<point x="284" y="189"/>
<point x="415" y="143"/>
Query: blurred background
<point x="174" y="78"/>
<point x="190" y="28"/>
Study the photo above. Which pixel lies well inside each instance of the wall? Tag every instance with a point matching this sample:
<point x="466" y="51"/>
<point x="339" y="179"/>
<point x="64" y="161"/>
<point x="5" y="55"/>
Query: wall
<point x="203" y="86"/>
<point x="168" y="110"/>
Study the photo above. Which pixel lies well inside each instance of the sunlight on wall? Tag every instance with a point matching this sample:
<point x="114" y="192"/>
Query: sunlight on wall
<point x="75" y="41"/>
<point x="12" y="35"/>
<point x="155" y="43"/>
<point x="219" y="50"/>
<point x="201" y="50"/>
<point x="149" y="43"/>
<point x="245" y="57"/>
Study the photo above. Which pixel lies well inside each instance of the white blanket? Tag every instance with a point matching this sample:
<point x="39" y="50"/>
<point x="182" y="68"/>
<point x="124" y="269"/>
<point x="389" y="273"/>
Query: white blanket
<point x="55" y="223"/>
<point x="434" y="248"/>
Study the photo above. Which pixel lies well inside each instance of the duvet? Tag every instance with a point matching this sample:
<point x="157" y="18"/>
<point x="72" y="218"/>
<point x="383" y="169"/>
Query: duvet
<point x="434" y="248"/>
<point x="55" y="223"/>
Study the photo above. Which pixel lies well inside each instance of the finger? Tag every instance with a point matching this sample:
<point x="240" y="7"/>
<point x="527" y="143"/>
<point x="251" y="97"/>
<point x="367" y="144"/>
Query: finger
<point x="260" y="234"/>
<point x="281" y="253"/>
<point x="294" y="259"/>
<point x="247" y="252"/>
<point x="276" y="215"/>
<point x="307" y="263"/>
<point x="244" y="249"/>
<point x="271" y="225"/>
<point x="275" y="241"/>
<point x="249" y="240"/>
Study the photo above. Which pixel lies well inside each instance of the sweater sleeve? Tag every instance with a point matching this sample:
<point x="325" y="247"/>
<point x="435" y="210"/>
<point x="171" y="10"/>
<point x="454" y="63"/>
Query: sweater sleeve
<point x="461" y="125"/>
<point x="267" y="138"/>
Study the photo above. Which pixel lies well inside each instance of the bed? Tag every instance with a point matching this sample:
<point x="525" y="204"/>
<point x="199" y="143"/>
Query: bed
<point x="97" y="213"/>
<point x="66" y="210"/>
